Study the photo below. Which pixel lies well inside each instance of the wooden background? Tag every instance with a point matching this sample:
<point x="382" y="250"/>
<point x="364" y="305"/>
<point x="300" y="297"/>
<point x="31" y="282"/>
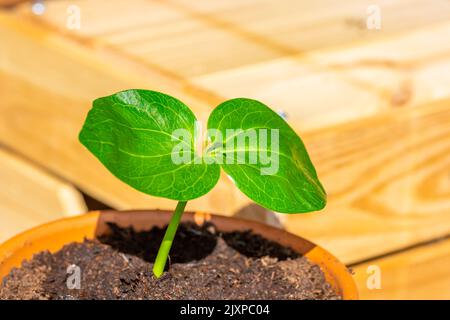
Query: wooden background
<point x="373" y="107"/>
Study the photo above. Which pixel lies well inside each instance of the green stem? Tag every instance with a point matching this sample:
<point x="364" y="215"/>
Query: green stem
<point x="166" y="244"/>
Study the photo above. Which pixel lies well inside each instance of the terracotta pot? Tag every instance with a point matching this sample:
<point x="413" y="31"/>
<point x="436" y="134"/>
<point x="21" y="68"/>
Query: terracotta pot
<point x="54" y="235"/>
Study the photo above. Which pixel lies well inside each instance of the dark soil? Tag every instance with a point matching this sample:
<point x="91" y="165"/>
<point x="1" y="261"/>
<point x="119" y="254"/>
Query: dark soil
<point x="204" y="264"/>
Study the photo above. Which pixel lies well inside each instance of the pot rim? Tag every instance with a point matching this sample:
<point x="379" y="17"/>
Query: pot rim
<point x="54" y="235"/>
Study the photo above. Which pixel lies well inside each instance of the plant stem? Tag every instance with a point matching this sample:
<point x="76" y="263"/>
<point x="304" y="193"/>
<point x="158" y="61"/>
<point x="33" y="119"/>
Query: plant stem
<point x="166" y="244"/>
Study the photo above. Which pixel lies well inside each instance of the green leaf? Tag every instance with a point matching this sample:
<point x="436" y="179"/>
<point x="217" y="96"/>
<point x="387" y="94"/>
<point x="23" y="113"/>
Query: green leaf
<point x="288" y="182"/>
<point x="136" y="133"/>
<point x="132" y="134"/>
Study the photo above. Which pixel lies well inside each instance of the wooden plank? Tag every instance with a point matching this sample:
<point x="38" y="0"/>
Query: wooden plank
<point x="43" y="124"/>
<point x="30" y="196"/>
<point x="387" y="180"/>
<point x="375" y="170"/>
<point x="159" y="34"/>
<point x="335" y="86"/>
<point x="302" y="26"/>
<point x="420" y="273"/>
<point x="199" y="38"/>
<point x="355" y="74"/>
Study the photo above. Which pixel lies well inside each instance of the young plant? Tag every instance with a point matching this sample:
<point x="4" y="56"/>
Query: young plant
<point x="149" y="140"/>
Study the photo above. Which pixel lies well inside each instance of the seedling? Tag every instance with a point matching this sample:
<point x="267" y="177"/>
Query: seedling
<point x="153" y="142"/>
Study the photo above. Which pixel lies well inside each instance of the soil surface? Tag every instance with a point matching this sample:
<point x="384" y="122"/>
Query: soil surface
<point x="204" y="264"/>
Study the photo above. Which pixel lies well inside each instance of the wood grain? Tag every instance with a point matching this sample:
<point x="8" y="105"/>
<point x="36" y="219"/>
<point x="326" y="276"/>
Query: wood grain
<point x="7" y="3"/>
<point x="328" y="87"/>
<point x="373" y="110"/>
<point x="315" y="61"/>
<point x="387" y="179"/>
<point x="30" y="196"/>
<point x="419" y="273"/>
<point x="43" y="124"/>
<point x="197" y="38"/>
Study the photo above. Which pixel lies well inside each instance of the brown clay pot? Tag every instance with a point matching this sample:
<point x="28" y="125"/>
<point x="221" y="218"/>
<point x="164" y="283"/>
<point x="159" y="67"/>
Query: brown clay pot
<point x="54" y="235"/>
